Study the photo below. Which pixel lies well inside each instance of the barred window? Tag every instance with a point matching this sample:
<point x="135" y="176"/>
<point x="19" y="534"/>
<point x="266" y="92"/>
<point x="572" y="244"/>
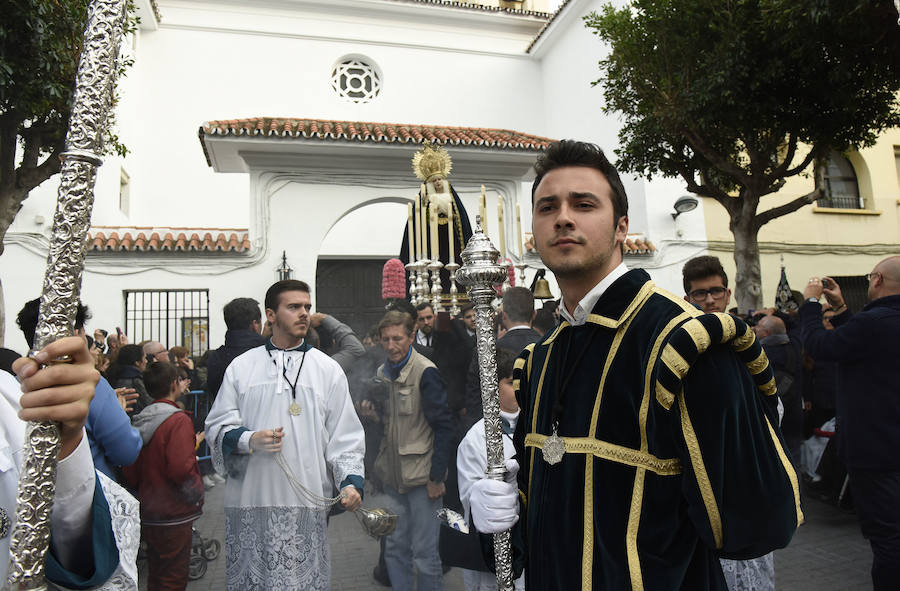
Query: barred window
<point x="355" y="80"/>
<point x="841" y="189"/>
<point x="170" y="316"/>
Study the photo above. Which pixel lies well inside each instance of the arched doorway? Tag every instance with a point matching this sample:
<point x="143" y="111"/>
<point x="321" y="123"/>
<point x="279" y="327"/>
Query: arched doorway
<point x="348" y="275"/>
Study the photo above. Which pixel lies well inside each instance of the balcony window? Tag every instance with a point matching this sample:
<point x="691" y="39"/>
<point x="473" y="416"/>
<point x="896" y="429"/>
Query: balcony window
<point x="841" y="190"/>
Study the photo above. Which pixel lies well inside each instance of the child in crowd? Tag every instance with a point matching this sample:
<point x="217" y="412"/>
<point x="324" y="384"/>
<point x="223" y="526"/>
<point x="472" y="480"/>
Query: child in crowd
<point x="471" y="461"/>
<point x="167" y="480"/>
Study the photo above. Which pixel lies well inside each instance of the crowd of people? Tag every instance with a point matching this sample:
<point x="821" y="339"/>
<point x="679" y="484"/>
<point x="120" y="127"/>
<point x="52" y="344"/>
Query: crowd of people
<point x="613" y="400"/>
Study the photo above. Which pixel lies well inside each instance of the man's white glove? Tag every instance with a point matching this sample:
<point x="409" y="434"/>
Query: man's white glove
<point x="495" y="504"/>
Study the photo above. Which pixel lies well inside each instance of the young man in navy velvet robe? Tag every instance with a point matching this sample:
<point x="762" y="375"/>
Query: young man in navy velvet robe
<point x="672" y="456"/>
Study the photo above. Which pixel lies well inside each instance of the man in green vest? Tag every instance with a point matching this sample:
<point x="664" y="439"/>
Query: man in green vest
<point x="412" y="461"/>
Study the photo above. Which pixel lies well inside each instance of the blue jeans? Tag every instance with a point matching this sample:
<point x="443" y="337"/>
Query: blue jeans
<point x="414" y="541"/>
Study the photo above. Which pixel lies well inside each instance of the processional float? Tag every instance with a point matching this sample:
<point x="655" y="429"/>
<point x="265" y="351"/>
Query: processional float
<point x="429" y="249"/>
<point x="91" y="104"/>
<point x="484" y="270"/>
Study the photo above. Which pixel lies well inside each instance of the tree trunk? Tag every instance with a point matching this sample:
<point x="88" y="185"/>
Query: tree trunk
<point x="748" y="279"/>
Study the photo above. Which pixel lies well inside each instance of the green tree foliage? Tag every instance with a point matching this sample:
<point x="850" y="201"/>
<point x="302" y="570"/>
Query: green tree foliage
<point x="735" y="96"/>
<point x="40" y="43"/>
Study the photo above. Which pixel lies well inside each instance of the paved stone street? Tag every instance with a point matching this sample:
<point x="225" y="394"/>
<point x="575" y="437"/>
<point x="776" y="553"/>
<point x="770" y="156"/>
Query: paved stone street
<point x="827" y="553"/>
<point x="353" y="553"/>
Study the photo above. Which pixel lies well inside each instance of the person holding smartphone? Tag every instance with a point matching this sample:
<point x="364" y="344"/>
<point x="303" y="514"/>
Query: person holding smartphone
<point x="866" y="349"/>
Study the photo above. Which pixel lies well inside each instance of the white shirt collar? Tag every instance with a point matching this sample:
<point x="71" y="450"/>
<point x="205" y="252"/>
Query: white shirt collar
<point x="588" y="302"/>
<point x="517" y="327"/>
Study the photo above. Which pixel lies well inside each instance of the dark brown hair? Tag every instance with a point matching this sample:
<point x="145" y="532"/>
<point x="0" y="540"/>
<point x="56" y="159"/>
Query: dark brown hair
<point x="273" y="294"/>
<point x="158" y="378"/>
<point x="700" y="268"/>
<point x="575" y="153"/>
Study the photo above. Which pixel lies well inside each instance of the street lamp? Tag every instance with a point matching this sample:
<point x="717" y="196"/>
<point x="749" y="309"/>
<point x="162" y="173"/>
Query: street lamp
<point x="684" y="204"/>
<point x="284" y="271"/>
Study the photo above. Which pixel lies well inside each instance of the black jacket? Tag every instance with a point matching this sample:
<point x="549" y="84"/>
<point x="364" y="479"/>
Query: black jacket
<point x="129" y="376"/>
<point x="450" y="355"/>
<point x="515" y="340"/>
<point x="650" y="412"/>
<point x="785" y="360"/>
<point x="867" y="349"/>
<point x="237" y="341"/>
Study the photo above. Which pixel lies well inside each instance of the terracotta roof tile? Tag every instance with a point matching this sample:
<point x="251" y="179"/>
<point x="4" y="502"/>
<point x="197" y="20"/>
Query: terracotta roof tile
<point x="480" y="7"/>
<point x="361" y="131"/>
<point x="635" y="244"/>
<point x="546" y="26"/>
<point x="226" y="240"/>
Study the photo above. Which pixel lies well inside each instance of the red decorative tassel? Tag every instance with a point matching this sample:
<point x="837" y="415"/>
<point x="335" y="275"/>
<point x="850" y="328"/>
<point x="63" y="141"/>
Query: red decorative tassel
<point x="393" y="280"/>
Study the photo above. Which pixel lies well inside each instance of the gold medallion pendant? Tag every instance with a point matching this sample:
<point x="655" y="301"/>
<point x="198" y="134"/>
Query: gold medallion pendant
<point x="554" y="449"/>
<point x="294" y="409"/>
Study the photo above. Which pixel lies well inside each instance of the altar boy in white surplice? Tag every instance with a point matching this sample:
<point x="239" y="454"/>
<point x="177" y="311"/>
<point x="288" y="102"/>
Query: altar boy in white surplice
<point x="284" y="431"/>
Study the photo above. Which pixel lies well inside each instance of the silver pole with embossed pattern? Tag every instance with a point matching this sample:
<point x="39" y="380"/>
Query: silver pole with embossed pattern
<point x="479" y="274"/>
<point x="91" y="105"/>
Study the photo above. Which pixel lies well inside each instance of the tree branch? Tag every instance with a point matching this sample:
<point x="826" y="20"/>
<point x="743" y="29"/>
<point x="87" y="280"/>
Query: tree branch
<point x="757" y="161"/>
<point x="8" y="134"/>
<point x="689" y="175"/>
<point x="791" y="206"/>
<point x="802" y="166"/>
<point x="29" y="178"/>
<point x="32" y="150"/>
<point x="781" y="169"/>
<point x="699" y="144"/>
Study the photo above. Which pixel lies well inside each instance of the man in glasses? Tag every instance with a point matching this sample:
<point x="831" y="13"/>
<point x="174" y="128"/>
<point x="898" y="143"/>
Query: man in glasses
<point x="706" y="284"/>
<point x="866" y="349"/>
<point x="156" y="351"/>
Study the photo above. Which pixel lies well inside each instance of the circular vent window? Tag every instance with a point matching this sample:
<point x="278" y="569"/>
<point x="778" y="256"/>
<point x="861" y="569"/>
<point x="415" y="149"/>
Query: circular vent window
<point x="355" y="80"/>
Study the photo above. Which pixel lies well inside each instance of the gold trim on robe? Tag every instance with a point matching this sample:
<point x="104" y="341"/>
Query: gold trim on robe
<point x="706" y="491"/>
<point x="612" y="452"/>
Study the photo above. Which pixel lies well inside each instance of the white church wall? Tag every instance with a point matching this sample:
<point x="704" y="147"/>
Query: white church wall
<point x="242" y="62"/>
<point x="261" y="60"/>
<point x="189" y="76"/>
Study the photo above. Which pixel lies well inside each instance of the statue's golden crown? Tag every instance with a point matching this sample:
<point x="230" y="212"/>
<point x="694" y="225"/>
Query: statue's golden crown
<point x="431" y="161"/>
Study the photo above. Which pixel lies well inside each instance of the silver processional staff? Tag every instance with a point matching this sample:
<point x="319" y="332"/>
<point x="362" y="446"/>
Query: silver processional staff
<point x="479" y="274"/>
<point x="91" y="104"/>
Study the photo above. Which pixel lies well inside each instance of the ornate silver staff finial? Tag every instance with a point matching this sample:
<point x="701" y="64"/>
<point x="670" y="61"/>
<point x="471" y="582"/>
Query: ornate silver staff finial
<point x="91" y="102"/>
<point x="479" y="274"/>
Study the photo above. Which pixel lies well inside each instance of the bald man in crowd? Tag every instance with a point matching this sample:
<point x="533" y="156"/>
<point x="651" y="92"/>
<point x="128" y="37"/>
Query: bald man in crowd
<point x="867" y="349"/>
<point x="785" y="360"/>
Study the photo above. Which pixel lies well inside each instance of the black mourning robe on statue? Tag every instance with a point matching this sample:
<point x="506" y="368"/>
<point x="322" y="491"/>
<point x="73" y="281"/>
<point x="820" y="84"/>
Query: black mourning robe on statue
<point x="674" y="457"/>
<point x="461" y="235"/>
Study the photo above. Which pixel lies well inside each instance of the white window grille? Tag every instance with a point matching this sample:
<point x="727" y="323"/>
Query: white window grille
<point x="355" y="80"/>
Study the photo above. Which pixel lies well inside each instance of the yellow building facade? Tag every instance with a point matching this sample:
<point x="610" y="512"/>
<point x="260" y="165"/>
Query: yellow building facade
<point x="844" y="236"/>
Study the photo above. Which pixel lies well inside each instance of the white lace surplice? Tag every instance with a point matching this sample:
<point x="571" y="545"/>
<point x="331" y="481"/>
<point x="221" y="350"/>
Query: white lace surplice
<point x="275" y="539"/>
<point x="755" y="574"/>
<point x="123" y="508"/>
